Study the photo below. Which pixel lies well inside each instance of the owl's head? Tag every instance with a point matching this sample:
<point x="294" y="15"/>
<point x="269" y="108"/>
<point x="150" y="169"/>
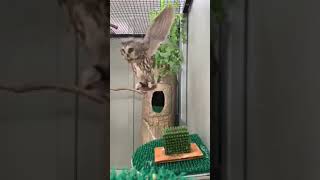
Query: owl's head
<point x="133" y="50"/>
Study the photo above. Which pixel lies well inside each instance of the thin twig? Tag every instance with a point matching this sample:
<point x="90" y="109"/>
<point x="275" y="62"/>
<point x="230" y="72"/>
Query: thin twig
<point x="149" y="129"/>
<point x="25" y="88"/>
<point x="127" y="89"/>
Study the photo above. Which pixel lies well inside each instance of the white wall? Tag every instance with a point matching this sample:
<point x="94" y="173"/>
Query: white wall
<point x="121" y="107"/>
<point x="198" y="93"/>
<point x="125" y="110"/>
<point x="183" y="82"/>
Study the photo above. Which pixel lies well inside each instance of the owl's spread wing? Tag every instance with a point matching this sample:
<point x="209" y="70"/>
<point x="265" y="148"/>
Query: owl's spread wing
<point x="159" y="30"/>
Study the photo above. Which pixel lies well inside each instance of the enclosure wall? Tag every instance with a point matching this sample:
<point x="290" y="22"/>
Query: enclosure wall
<point x="125" y="110"/>
<point x="198" y="93"/>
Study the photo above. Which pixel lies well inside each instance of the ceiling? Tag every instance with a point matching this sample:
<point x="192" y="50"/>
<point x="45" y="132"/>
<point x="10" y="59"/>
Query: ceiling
<point x="131" y="16"/>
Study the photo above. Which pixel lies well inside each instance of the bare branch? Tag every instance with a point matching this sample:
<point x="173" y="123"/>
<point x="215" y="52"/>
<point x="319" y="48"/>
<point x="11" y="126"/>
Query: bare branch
<point x="25" y="88"/>
<point x="127" y="89"/>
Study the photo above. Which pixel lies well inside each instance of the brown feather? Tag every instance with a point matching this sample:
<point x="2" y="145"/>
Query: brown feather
<point x="159" y="30"/>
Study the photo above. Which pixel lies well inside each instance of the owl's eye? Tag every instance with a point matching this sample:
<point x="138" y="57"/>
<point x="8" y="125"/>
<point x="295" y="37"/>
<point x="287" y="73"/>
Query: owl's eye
<point x="130" y="50"/>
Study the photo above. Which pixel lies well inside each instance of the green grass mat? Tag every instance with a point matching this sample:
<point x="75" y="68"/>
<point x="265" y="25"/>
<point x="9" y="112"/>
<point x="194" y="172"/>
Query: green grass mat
<point x="143" y="159"/>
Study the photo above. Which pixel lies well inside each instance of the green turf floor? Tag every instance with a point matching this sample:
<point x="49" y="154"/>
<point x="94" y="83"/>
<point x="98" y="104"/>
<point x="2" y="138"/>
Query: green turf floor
<point x="143" y="158"/>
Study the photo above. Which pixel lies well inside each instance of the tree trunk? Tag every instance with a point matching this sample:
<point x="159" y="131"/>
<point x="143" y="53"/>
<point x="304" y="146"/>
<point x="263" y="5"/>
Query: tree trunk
<point x="154" y="118"/>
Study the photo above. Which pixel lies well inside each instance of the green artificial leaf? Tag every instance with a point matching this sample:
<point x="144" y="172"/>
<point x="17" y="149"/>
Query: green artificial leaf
<point x="176" y="3"/>
<point x="113" y="174"/>
<point x="162" y="4"/>
<point x="164" y="54"/>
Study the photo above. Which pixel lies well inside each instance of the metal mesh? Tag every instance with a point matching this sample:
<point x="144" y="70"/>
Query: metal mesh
<point x="132" y="16"/>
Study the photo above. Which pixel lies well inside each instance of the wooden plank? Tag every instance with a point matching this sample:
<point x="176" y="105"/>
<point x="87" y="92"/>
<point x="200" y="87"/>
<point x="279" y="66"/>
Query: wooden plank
<point x="161" y="157"/>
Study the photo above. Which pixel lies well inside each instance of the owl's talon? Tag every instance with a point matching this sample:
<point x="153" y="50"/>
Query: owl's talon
<point x="150" y="85"/>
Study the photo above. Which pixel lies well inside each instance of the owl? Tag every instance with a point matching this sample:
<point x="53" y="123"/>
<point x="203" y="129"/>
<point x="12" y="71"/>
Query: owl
<point x="139" y="52"/>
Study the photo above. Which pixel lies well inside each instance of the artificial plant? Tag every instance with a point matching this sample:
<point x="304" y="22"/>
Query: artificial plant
<point x="168" y="58"/>
<point x="176" y="140"/>
<point x="152" y="174"/>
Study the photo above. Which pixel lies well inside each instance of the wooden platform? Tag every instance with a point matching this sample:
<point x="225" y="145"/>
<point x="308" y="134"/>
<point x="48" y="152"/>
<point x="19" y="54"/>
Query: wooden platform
<point x="161" y="157"/>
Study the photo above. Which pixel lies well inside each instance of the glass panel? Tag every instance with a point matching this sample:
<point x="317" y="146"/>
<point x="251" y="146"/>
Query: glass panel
<point x="140" y="112"/>
<point x="126" y="107"/>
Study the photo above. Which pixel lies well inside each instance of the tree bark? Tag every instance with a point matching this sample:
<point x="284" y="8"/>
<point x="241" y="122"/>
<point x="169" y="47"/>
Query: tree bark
<point x="154" y="123"/>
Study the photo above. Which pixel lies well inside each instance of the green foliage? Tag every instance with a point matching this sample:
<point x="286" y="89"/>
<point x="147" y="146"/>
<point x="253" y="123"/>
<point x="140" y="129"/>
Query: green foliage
<point x="152" y="174"/>
<point x="176" y="140"/>
<point x="168" y="58"/>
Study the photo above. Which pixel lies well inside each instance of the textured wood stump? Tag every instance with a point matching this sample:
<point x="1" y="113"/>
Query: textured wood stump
<point x="153" y="123"/>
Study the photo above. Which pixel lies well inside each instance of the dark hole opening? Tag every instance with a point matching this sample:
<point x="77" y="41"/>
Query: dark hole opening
<point x="158" y="101"/>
